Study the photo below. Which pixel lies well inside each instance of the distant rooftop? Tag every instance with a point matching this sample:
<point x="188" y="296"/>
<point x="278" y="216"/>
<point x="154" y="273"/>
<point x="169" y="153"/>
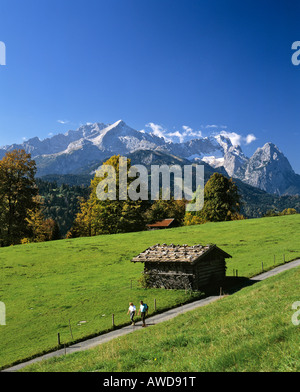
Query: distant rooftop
<point x="163" y="223"/>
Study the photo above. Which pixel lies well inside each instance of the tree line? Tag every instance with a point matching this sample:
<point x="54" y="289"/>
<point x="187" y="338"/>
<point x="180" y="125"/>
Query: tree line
<point x="32" y="210"/>
<point x="96" y="217"/>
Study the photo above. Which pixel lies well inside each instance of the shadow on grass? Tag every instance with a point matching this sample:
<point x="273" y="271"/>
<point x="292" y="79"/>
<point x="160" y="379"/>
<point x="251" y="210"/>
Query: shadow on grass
<point x="229" y="285"/>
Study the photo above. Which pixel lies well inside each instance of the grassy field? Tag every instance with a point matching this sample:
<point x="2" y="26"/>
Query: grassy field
<point x="45" y="285"/>
<point x="249" y="331"/>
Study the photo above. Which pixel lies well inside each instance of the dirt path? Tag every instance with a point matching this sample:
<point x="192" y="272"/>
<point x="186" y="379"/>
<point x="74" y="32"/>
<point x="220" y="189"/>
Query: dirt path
<point x="90" y="343"/>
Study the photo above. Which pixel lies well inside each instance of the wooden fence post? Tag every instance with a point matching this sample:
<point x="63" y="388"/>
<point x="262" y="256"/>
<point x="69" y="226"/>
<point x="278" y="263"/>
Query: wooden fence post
<point x="154" y="304"/>
<point x="262" y="266"/>
<point x="113" y="320"/>
<point x="58" y="339"/>
<point x="70" y="329"/>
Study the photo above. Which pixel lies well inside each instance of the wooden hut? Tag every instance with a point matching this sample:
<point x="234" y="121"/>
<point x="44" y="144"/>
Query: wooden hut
<point x="182" y="266"/>
<point x="164" y="224"/>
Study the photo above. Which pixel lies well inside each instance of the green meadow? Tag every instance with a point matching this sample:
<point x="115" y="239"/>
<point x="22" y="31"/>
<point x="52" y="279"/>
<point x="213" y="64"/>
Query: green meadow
<point x="250" y="331"/>
<point x="48" y="287"/>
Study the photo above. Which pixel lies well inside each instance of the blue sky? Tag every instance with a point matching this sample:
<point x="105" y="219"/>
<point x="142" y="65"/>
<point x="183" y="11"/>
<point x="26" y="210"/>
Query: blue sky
<point x="170" y="63"/>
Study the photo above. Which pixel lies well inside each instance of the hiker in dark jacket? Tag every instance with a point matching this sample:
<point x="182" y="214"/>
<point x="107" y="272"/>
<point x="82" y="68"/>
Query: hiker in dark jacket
<point x="143" y="311"/>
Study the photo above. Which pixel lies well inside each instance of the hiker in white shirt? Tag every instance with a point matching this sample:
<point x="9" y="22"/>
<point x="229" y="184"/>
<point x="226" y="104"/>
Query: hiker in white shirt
<point x="131" y="310"/>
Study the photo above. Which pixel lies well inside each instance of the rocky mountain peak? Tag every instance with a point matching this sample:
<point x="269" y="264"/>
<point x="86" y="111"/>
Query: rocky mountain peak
<point x="269" y="170"/>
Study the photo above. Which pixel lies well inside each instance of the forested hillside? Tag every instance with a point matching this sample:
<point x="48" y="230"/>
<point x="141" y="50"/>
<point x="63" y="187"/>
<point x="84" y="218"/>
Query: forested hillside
<point x="61" y="202"/>
<point x="61" y="195"/>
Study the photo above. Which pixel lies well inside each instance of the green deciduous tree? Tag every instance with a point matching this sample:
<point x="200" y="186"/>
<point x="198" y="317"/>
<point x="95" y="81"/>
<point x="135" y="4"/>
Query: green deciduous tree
<point x="108" y="216"/>
<point x="21" y="216"/>
<point x="221" y="201"/>
<point x="41" y="229"/>
<point x="163" y="209"/>
<point x="17" y="192"/>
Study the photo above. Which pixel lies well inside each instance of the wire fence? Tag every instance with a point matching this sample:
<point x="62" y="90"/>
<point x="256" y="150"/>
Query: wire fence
<point x="189" y="295"/>
<point x="277" y="260"/>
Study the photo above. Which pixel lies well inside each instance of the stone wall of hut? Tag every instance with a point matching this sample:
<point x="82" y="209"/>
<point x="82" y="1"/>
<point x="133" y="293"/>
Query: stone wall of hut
<point x="208" y="271"/>
<point x="169" y="275"/>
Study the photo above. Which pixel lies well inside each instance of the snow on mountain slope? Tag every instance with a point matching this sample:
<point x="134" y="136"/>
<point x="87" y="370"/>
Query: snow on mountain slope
<point x="57" y="143"/>
<point x="213" y="161"/>
<point x="267" y="169"/>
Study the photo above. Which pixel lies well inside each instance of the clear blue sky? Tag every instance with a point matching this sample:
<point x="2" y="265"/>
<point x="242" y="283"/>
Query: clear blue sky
<point x="170" y="62"/>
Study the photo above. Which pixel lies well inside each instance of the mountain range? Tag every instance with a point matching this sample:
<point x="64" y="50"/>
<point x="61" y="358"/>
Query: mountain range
<point x="82" y="151"/>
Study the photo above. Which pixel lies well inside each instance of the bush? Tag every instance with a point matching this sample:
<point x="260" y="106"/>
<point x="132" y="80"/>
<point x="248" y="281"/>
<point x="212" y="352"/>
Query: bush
<point x="144" y="280"/>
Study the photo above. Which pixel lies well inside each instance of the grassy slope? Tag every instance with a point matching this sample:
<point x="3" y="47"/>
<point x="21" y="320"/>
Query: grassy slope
<point x="44" y="285"/>
<point x="248" y="331"/>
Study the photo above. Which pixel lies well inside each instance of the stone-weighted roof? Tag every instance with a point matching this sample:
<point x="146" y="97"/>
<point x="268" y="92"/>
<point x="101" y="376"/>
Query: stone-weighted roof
<point x="176" y="253"/>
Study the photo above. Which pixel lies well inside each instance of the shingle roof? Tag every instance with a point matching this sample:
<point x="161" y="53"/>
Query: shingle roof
<point x="176" y="253"/>
<point x="163" y="223"/>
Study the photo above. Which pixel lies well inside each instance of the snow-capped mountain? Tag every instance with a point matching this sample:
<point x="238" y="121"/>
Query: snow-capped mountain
<point x="56" y="143"/>
<point x="68" y="153"/>
<point x="104" y="137"/>
<point x="65" y="154"/>
<point x="79" y="150"/>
